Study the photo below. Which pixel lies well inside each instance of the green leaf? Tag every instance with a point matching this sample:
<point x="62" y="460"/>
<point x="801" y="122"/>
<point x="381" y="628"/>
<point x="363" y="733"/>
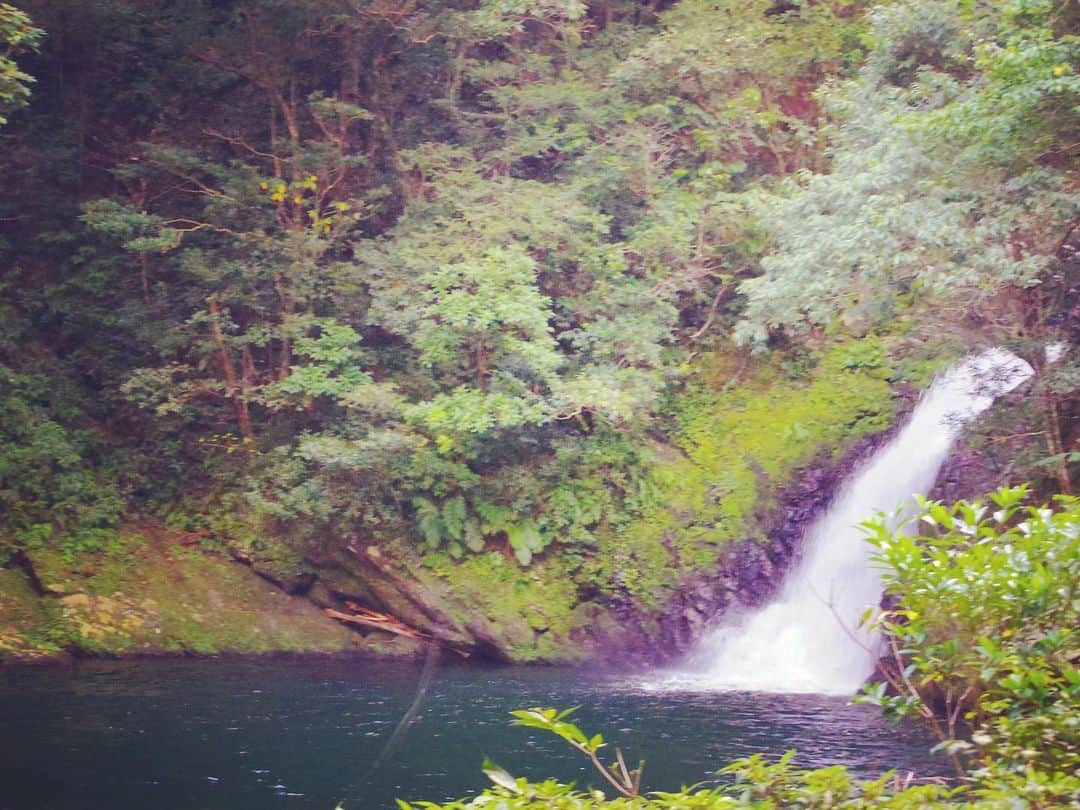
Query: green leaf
<point x="500" y="777"/>
<point x="525" y="540"/>
<point x="453" y="517"/>
<point x="429" y="521"/>
<point x="473" y="536"/>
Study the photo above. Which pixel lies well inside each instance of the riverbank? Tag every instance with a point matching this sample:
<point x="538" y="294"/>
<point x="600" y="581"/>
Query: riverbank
<point x="755" y="456"/>
<point x="157" y="594"/>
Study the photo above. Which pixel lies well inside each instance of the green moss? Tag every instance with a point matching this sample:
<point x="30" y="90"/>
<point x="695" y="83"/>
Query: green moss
<point x="740" y="444"/>
<point x="207" y="603"/>
<point x="917" y="364"/>
<point x="26" y="625"/>
<point x="530" y="609"/>
<point x="159" y="596"/>
<point x="232" y="530"/>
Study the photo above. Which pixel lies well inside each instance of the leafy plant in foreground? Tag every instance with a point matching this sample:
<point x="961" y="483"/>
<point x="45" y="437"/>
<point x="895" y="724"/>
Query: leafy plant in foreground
<point x="752" y="782"/>
<point x="627" y="782"/>
<point x="984" y="643"/>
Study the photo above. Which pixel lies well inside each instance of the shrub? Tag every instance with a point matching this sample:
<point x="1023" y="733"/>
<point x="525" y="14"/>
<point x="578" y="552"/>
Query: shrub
<point x="985" y="641"/>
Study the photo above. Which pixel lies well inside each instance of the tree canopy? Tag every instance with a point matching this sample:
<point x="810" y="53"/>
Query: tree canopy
<point x="446" y="270"/>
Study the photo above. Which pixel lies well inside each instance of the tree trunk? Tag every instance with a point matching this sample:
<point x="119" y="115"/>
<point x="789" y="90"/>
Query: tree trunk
<point x="236" y="393"/>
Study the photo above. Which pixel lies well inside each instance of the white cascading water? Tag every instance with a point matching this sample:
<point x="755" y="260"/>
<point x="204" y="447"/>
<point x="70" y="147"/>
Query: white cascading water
<point x="809" y="639"/>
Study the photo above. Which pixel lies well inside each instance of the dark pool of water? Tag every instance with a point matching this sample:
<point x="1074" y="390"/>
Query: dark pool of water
<point x="247" y="734"/>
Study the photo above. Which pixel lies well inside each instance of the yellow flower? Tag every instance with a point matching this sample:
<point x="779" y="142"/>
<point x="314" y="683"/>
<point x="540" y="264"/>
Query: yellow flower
<point x="264" y="185"/>
<point x="1059" y="70"/>
<point x="297" y="199"/>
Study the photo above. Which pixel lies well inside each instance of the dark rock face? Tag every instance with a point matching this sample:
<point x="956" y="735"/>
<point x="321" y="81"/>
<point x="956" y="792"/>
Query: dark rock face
<point x="967" y="473"/>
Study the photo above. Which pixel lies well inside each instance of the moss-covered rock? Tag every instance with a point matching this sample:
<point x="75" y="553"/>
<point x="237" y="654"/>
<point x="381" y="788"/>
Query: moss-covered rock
<point x="529" y="611"/>
<point x="273" y="559"/>
<point x="742" y="444"/>
<point x="162" y="596"/>
<point x="27" y="628"/>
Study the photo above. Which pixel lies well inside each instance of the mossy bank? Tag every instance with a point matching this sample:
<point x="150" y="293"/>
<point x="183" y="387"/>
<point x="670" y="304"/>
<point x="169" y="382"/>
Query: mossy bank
<point x="758" y="449"/>
<point x="162" y="595"/>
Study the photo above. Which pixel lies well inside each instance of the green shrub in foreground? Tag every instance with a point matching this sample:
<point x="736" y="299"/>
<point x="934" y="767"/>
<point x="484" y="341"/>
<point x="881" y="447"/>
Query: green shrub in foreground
<point x="984" y="644"/>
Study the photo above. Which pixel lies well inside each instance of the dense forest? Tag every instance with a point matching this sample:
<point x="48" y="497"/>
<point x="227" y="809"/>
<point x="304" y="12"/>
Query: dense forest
<point x="524" y="325"/>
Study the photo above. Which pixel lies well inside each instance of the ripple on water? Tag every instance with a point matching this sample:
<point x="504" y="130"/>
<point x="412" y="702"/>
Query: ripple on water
<point x="153" y="733"/>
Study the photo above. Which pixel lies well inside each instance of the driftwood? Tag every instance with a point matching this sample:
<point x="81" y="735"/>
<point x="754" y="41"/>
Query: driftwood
<point x="388" y="624"/>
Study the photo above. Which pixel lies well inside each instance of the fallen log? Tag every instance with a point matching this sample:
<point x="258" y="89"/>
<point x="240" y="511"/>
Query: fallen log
<point x="388" y="624"/>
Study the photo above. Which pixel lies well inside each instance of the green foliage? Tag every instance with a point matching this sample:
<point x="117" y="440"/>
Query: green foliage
<point x="489" y="317"/>
<point x="984" y="642"/>
<point x="17" y="36"/>
<point x="951" y="95"/>
<point x="51" y="491"/>
<point x="737" y="444"/>
<point x="333" y="366"/>
<point x="752" y="782"/>
<point x="555" y="721"/>
<point x="768" y="429"/>
<point x="626" y="782"/>
<point x="533" y="610"/>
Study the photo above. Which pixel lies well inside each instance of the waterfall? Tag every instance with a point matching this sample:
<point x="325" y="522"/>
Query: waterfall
<point x="808" y="639"/>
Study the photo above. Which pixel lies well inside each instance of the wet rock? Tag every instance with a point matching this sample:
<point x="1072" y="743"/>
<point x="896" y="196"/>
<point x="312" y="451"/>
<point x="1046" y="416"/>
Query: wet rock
<point x="969" y="472"/>
<point x="278" y="564"/>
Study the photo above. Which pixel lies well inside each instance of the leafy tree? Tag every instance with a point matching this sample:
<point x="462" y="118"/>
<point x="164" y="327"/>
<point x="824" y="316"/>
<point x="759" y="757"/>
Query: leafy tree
<point x="948" y="193"/>
<point x="51" y="490"/>
<point x="909" y="203"/>
<point x="18" y="35"/>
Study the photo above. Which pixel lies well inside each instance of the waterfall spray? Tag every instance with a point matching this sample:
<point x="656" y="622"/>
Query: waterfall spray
<point x="809" y="638"/>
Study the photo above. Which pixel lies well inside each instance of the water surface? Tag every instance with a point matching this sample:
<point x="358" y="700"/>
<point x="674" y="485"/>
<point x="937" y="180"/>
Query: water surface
<point x="246" y="734"/>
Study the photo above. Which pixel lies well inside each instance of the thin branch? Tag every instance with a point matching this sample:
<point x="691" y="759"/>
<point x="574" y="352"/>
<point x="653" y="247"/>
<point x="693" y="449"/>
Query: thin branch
<point x="622" y="767"/>
<point x="200" y="186"/>
<point x="721" y="295"/>
<point x="191" y="227"/>
<point x="603" y="770"/>
<point x="238" y="141"/>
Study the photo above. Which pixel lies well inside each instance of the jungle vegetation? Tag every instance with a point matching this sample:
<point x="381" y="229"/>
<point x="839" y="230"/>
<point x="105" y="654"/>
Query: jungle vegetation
<point x="450" y="271"/>
<point x="563" y="288"/>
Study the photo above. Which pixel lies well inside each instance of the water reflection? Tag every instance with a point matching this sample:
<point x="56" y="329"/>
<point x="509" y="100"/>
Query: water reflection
<point x="304" y="733"/>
